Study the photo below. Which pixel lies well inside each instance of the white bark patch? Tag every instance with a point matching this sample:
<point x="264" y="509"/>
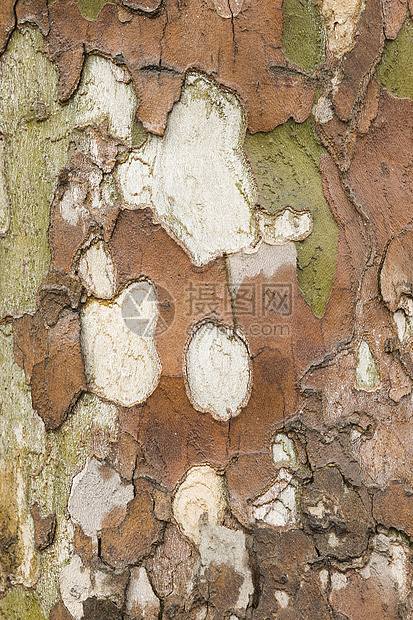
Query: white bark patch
<point x="78" y="583"/>
<point x="319" y="510"/>
<point x="390" y="564"/>
<point x="401" y="324"/>
<point x="324" y="575"/>
<point x="282" y="598"/>
<point x="101" y="94"/>
<point x="107" y="585"/>
<point x="121" y="361"/>
<point x="141" y="601"/>
<point x="267" y="259"/>
<point x="338" y="581"/>
<point x="278" y="505"/>
<point x="400" y="568"/>
<point x="222" y="546"/>
<point x="71" y="205"/>
<point x="218" y="371"/>
<point x="98" y="495"/>
<point x="284" y="451"/>
<point x="367" y="369"/>
<point x="404" y="324"/>
<point x="75" y="586"/>
<point x="4" y="192"/>
<point x="196" y="177"/>
<point x="202" y="491"/>
<point x="286" y="225"/>
<point x="97" y="271"/>
<point x="323" y="110"/>
<point x="333" y="540"/>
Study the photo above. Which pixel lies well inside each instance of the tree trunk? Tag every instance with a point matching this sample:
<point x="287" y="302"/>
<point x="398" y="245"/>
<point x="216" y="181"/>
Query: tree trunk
<point x="206" y="302"/>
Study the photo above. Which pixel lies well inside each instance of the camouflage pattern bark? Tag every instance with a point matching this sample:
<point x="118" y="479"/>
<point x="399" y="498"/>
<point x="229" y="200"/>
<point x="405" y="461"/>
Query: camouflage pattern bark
<point x="206" y="323"/>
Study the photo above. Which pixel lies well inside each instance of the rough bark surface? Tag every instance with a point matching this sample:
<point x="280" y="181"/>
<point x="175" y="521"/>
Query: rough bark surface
<point x="206" y="326"/>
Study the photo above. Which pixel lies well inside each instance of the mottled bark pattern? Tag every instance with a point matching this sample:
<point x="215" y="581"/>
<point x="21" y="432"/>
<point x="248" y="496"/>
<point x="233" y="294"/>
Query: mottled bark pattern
<point x="207" y="392"/>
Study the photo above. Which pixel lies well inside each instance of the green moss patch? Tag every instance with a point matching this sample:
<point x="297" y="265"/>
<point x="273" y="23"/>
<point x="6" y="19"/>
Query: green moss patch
<point x="395" y="71"/>
<point x="285" y="162"/>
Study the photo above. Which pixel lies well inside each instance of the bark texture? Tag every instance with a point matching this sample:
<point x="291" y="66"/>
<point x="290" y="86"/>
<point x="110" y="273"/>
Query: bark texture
<point x="206" y="310"/>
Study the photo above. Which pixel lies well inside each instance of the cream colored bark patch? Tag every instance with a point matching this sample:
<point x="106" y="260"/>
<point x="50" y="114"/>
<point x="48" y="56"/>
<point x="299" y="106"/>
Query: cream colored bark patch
<point x="404" y="324"/>
<point x="266" y="259"/>
<point x="196" y="176"/>
<point x="367" y="368"/>
<point x="286" y="225"/>
<point x="71" y="205"/>
<point x="342" y="18"/>
<point x="4" y="193"/>
<point x="284" y="451"/>
<point x="141" y="601"/>
<point x="218" y="371"/>
<point x="97" y="271"/>
<point x="338" y="581"/>
<point x="282" y="598"/>
<point x="102" y="93"/>
<point x="323" y="110"/>
<point x="390" y="565"/>
<point x="121" y="361"/>
<point x="75" y="586"/>
<point x="78" y="583"/>
<point x="203" y="491"/>
<point x="98" y="497"/>
<point x="278" y="505"/>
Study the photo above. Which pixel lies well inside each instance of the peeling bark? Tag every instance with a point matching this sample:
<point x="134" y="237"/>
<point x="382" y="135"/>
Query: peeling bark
<point x="206" y="310"/>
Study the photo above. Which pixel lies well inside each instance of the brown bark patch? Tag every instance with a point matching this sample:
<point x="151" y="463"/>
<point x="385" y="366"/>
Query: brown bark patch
<point x="335" y="516"/>
<point x="393" y="507"/>
<point x="44" y="528"/>
<point x="243" y="53"/>
<point x="132" y="540"/>
<point x="53" y="364"/>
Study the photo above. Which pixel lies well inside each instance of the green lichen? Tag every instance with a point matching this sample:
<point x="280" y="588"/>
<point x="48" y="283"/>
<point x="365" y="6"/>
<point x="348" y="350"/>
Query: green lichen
<point x="35" y="466"/>
<point x="138" y="134"/>
<point x="19" y="604"/>
<point x="303" y="36"/>
<point x="93" y="423"/>
<point x="34" y="155"/>
<point x="285" y="162"/>
<point x="37" y="131"/>
<point x="22" y="444"/>
<point x="91" y="8"/>
<point x="395" y="71"/>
